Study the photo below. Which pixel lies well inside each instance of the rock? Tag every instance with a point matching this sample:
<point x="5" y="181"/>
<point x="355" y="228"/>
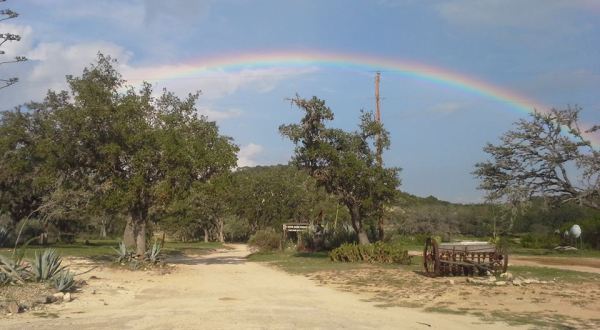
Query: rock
<point x="488" y="273"/>
<point x="451" y="282"/>
<point x="50" y="299"/>
<point x="491" y="279"/>
<point x="93" y="291"/>
<point x="517" y="282"/>
<point x="500" y="283"/>
<point x="67" y="297"/>
<point x="531" y="281"/>
<point x="59" y="296"/>
<point x="508" y="276"/>
<point x="13" y="308"/>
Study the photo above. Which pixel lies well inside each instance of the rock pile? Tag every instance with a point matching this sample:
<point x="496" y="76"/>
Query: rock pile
<point x="505" y="279"/>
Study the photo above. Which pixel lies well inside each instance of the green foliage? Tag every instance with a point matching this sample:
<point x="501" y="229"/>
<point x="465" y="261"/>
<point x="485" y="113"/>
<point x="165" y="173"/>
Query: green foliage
<point x="540" y="241"/>
<point x="63" y="281"/>
<point x="46" y="265"/>
<point x="265" y="240"/>
<point x="13" y="270"/>
<point x="153" y="254"/>
<point x="344" y="163"/>
<point x="123" y="253"/>
<point x="4" y="236"/>
<point x="591" y="232"/>
<point x="377" y="252"/>
<point x="236" y="229"/>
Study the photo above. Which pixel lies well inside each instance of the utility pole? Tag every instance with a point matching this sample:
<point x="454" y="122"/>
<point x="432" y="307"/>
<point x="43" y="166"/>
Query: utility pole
<point x="379" y="147"/>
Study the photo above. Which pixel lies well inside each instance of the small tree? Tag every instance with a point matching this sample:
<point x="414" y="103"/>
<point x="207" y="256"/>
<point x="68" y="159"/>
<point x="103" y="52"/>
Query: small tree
<point x="343" y="162"/>
<point x="6" y="14"/>
<point x="548" y="156"/>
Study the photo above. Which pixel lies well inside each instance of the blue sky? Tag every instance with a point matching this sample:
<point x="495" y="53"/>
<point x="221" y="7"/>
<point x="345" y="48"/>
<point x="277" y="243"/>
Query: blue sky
<point x="548" y="50"/>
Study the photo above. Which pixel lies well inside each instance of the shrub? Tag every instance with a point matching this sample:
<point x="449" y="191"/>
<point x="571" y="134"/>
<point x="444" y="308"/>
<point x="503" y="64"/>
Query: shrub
<point x="377" y="252"/>
<point x="540" y="241"/>
<point x="63" y="281"/>
<point x="46" y="265"/>
<point x="265" y="240"/>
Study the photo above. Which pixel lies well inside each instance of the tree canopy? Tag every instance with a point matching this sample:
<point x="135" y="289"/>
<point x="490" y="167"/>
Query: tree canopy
<point x="115" y="148"/>
<point x="549" y="156"/>
<point x="344" y="163"/>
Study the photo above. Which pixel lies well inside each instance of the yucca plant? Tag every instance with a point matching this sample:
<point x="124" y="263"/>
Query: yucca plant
<point x="63" y="281"/>
<point x="152" y="255"/>
<point x="46" y="265"/>
<point x="123" y="254"/>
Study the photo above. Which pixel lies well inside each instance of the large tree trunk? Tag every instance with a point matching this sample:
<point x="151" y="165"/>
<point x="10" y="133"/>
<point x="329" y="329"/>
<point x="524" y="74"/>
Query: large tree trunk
<point x="357" y="224"/>
<point x="129" y="234"/>
<point x="103" y="228"/>
<point x="140" y="238"/>
<point x="220" y="226"/>
<point x="138" y="222"/>
<point x="205" y="235"/>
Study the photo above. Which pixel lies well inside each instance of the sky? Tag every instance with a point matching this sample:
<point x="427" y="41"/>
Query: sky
<point x="546" y="51"/>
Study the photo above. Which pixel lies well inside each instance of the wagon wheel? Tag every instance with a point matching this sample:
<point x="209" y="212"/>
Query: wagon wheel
<point x="431" y="258"/>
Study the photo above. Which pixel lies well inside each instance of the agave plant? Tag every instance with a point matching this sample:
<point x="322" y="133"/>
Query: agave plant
<point x="63" y="281"/>
<point x="13" y="270"/>
<point x="4" y="235"/>
<point x="46" y="265"/>
<point x="152" y="255"/>
<point x="123" y="254"/>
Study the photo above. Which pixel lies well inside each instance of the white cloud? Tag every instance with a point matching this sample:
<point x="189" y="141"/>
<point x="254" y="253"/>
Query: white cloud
<point x="248" y="154"/>
<point x="537" y="15"/>
<point x="51" y="61"/>
<point x="216" y="114"/>
<point x="214" y="83"/>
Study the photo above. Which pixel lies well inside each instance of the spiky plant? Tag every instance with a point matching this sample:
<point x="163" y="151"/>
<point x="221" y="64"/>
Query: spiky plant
<point x="46" y="265"/>
<point x="63" y="281"/>
<point x="123" y="254"/>
<point x="153" y="255"/>
<point x="4" y="235"/>
<point x="13" y="270"/>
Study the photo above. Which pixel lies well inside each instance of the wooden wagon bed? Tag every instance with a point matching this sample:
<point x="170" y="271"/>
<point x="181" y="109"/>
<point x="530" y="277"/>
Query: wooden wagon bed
<point x="463" y="258"/>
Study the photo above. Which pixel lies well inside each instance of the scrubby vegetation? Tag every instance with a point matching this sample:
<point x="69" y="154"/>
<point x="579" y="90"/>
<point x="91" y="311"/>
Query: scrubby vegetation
<point x="45" y="267"/>
<point x="377" y="252"/>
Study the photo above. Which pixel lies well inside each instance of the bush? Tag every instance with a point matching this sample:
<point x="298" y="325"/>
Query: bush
<point x="540" y="241"/>
<point x="377" y="252"/>
<point x="265" y="240"/>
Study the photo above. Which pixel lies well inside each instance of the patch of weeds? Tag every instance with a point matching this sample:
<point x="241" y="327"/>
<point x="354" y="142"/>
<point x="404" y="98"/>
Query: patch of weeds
<point x="46" y="315"/>
<point x="444" y="310"/>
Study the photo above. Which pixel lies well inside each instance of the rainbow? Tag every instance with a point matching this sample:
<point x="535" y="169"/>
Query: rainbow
<point x="345" y="61"/>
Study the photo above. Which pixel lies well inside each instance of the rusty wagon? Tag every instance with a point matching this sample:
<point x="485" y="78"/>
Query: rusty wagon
<point x="463" y="258"/>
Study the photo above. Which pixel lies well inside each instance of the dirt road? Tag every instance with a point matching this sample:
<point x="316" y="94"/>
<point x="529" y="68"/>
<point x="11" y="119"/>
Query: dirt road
<point x="221" y="291"/>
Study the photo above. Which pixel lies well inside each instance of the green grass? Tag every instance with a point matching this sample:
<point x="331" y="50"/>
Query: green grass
<point x="103" y="249"/>
<point x="554" y="253"/>
<point x="548" y="274"/>
<point x="306" y="263"/>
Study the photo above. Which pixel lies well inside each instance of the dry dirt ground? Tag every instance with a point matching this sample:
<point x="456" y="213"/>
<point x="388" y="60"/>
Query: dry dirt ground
<point x="543" y="305"/>
<point x="222" y="290"/>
